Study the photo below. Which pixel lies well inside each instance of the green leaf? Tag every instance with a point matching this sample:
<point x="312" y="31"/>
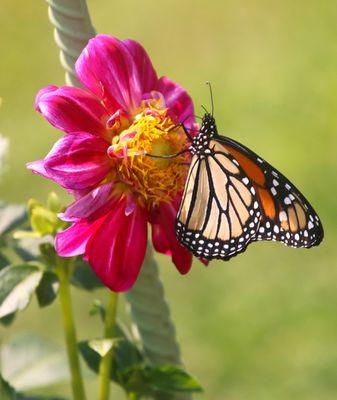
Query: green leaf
<point x="54" y="203"/>
<point x="102" y="346"/>
<point x="130" y="371"/>
<point x="11" y="217"/>
<point x="171" y="379"/>
<point x="31" y="362"/>
<point x="7" y="392"/>
<point x="13" y="253"/>
<point x="25" y="235"/>
<point x="17" y="284"/>
<point x="25" y="250"/>
<point x="84" y="277"/>
<point x="125" y="354"/>
<point x="4" y="261"/>
<point x="48" y="254"/>
<point x="24" y="397"/>
<point x="29" y="249"/>
<point x="91" y="357"/>
<point x="158" y="381"/>
<point x="33" y="203"/>
<point x="8" y="319"/>
<point x="46" y="292"/>
<point x="43" y="221"/>
<point x="97" y="308"/>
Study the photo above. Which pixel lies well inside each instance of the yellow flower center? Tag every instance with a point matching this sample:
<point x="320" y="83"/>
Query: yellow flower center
<point x="152" y="132"/>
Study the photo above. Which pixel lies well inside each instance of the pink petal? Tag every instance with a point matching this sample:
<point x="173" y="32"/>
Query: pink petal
<point x="181" y="257"/>
<point x="72" y="241"/>
<point x="78" y="161"/>
<point x="47" y="89"/>
<point x="37" y="167"/>
<point x="72" y="109"/>
<point x="159" y="240"/>
<point x="115" y="71"/>
<point x="146" y="74"/>
<point x="204" y="261"/>
<point x="88" y="204"/>
<point x="177" y="100"/>
<point x="117" y="250"/>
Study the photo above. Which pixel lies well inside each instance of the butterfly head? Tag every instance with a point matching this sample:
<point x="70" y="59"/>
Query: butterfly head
<point x="208" y="126"/>
<point x="207" y="131"/>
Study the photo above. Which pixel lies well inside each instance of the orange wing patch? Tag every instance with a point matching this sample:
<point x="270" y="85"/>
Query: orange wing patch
<point x="256" y="175"/>
<point x="253" y="172"/>
<point x="267" y="202"/>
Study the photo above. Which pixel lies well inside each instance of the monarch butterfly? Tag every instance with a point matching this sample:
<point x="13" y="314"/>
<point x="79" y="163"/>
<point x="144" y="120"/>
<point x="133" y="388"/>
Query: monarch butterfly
<point x="232" y="197"/>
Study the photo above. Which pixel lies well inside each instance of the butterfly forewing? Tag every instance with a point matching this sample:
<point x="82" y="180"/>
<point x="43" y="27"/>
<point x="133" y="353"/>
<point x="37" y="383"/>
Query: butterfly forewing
<point x="286" y="214"/>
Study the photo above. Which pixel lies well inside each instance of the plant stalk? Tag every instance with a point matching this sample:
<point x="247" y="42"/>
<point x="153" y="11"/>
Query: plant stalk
<point x="70" y="333"/>
<point x="109" y="332"/>
<point x="152" y="320"/>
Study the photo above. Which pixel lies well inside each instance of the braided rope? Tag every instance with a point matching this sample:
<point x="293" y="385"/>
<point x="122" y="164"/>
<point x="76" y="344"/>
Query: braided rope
<point x="151" y="315"/>
<point x="73" y="29"/>
<point x="149" y="309"/>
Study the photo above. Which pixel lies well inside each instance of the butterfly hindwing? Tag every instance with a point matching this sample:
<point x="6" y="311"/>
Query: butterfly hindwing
<point x="219" y="212"/>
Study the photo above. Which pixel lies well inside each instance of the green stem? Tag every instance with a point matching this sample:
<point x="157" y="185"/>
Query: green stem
<point x="106" y="361"/>
<point x="70" y="332"/>
<point x="11" y="254"/>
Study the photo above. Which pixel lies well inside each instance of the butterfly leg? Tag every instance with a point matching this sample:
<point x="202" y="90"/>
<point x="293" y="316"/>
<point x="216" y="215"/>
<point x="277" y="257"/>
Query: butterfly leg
<point x="189" y="137"/>
<point x="168" y="155"/>
<point x="181" y="124"/>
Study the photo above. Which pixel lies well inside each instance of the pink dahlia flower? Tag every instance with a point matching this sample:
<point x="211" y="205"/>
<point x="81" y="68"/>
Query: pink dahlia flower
<point x="124" y="112"/>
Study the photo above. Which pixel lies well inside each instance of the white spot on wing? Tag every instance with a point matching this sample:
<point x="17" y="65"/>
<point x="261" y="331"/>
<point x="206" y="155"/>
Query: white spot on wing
<point x="283" y="216"/>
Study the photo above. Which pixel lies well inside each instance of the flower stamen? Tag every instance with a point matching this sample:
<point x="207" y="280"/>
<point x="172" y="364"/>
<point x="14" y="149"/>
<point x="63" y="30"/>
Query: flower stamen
<point x="152" y="133"/>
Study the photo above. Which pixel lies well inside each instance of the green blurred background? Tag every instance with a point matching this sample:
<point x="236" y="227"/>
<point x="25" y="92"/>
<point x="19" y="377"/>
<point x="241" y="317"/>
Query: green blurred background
<point x="264" y="325"/>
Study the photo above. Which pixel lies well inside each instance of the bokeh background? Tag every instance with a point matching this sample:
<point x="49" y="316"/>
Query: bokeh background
<point x="264" y="325"/>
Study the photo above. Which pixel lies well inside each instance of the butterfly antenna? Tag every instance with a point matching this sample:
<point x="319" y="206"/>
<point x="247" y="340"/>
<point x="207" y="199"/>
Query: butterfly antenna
<point x="204" y="109"/>
<point x="211" y="93"/>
